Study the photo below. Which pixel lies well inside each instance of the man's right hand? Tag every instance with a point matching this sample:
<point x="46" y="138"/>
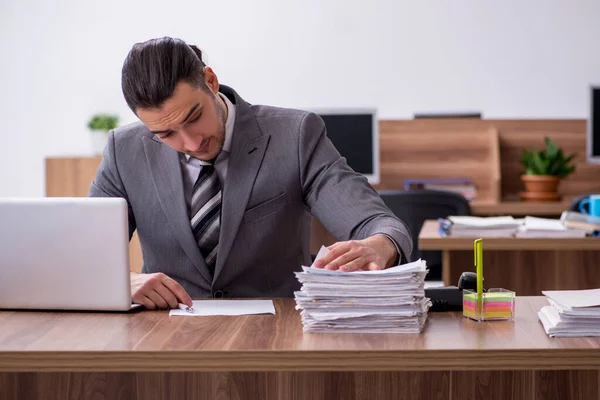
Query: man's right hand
<point x="157" y="291"/>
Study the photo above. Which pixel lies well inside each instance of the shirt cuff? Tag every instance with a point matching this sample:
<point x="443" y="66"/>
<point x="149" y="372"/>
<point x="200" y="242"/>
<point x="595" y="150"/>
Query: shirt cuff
<point x="400" y="258"/>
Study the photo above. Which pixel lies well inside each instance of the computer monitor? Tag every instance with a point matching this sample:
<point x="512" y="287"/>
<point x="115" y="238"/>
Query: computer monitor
<point x="593" y="126"/>
<point x="355" y="134"/>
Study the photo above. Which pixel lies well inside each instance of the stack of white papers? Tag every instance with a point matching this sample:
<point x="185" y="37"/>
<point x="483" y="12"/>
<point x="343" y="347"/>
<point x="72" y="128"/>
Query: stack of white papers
<point x="571" y="313"/>
<point x="386" y="301"/>
<point x="468" y="226"/>
<point x="534" y="227"/>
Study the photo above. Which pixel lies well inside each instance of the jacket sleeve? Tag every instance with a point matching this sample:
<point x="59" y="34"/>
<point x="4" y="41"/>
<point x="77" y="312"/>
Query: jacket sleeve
<point x="107" y="182"/>
<point x="340" y="198"/>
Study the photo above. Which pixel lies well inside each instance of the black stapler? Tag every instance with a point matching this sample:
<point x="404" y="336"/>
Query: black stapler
<point x="449" y="298"/>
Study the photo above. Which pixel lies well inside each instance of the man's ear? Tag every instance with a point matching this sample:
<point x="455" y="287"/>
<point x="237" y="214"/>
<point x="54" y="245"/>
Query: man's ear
<point x="211" y="79"/>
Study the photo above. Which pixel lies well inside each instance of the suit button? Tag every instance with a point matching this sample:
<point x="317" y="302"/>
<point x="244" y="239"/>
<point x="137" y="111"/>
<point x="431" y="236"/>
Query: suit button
<point x="218" y="294"/>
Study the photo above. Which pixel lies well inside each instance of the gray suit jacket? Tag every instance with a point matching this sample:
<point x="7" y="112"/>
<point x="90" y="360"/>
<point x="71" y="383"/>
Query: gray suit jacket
<point x="281" y="167"/>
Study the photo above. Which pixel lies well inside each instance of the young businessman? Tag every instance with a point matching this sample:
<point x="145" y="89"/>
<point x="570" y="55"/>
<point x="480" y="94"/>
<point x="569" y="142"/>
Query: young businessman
<point x="220" y="190"/>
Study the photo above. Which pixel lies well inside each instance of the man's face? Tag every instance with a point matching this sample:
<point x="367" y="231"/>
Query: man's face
<point x="192" y="120"/>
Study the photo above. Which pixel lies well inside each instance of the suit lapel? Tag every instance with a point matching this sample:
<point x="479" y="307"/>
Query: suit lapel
<point x="164" y="165"/>
<point x="247" y="151"/>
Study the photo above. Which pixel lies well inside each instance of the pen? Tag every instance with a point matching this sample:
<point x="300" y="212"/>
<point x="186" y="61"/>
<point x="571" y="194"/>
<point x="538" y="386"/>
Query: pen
<point x="478" y="251"/>
<point x="185" y="308"/>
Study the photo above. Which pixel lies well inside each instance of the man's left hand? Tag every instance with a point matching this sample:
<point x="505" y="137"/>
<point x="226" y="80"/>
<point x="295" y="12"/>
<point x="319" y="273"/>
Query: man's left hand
<point x="373" y="253"/>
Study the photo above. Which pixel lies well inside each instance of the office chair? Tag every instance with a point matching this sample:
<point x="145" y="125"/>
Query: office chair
<point x="574" y="206"/>
<point x="414" y="207"/>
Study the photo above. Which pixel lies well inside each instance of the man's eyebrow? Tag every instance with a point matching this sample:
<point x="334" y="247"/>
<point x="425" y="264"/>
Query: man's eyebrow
<point x="189" y="114"/>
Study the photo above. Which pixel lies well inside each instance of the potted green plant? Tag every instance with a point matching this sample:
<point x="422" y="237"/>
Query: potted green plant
<point x="543" y="171"/>
<point x="99" y="125"/>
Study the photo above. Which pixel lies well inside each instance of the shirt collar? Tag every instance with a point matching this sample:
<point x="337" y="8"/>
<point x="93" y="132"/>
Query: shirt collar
<point x="229" y="124"/>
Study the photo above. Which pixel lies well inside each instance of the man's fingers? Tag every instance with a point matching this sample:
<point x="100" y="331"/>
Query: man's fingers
<point x="326" y="259"/>
<point x="181" y="295"/>
<point x="156" y="298"/>
<point x="355" y="265"/>
<point x="335" y="250"/>
<point x="333" y="246"/>
<point x="144" y="300"/>
<point x="158" y="290"/>
<point x="373" y="266"/>
<point x="349" y="256"/>
<point x="361" y="265"/>
<point x="323" y="261"/>
<point x="342" y="260"/>
<point x="167" y="295"/>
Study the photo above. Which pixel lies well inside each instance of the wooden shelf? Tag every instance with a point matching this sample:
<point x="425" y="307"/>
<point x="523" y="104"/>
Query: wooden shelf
<point x="489" y="153"/>
<point x="519" y="208"/>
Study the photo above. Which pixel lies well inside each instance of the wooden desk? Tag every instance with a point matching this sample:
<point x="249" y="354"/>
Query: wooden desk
<point x="149" y="355"/>
<point x="526" y="266"/>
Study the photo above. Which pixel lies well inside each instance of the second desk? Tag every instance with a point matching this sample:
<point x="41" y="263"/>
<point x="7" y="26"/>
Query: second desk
<point x="524" y="265"/>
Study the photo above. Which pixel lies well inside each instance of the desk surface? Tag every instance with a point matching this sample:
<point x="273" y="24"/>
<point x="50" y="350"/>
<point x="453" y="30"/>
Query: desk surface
<point x="153" y="341"/>
<point x="430" y="239"/>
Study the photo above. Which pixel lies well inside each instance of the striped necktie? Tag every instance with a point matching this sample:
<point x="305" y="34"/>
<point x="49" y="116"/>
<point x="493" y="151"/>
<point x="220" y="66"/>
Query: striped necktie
<point x="206" y="214"/>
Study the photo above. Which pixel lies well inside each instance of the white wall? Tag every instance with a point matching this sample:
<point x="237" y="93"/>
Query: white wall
<point x="61" y="61"/>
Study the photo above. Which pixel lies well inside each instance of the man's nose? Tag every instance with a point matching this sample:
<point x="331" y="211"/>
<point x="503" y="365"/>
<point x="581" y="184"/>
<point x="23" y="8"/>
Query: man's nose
<point x="191" y="142"/>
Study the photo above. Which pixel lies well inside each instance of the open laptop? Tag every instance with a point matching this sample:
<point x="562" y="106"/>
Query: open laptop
<point x="64" y="254"/>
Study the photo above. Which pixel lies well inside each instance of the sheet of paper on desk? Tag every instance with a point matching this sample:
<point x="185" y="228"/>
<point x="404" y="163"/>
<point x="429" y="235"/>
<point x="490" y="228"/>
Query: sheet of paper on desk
<point x="574" y="299"/>
<point x="227" y="307"/>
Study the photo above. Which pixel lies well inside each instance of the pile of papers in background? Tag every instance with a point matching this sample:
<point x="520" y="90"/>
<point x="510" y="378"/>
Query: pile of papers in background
<point x="534" y="227"/>
<point x="468" y="226"/>
<point x="571" y="313"/>
<point x="386" y="301"/>
<point x="505" y="227"/>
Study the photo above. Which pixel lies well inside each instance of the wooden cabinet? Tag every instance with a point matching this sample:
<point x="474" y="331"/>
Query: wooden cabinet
<point x="437" y="153"/>
<point x="486" y="150"/>
<point x="72" y="177"/>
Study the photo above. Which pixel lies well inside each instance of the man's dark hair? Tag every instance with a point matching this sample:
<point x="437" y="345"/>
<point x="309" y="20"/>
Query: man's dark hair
<point x="153" y="68"/>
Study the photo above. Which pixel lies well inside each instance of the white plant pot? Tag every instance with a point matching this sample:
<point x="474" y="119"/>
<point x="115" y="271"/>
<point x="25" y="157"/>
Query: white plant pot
<point x="99" y="141"/>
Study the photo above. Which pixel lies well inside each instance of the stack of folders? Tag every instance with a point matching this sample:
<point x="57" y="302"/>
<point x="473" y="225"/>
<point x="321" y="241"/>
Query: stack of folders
<point x="571" y="313"/>
<point x="386" y="301"/>
<point x="468" y="226"/>
<point x="534" y="227"/>
<point x="577" y="220"/>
